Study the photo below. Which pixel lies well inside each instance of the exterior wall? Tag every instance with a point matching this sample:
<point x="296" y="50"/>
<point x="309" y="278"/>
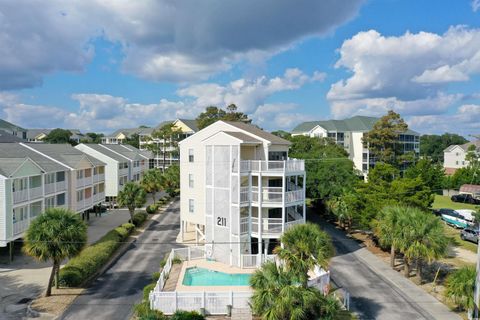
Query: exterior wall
<point x="111" y="170"/>
<point x="3" y="212"/>
<point x="455" y="158"/>
<point x="357" y="150"/>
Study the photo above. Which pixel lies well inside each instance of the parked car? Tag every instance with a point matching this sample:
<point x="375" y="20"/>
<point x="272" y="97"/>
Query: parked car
<point x="469" y="234"/>
<point x="469" y="214"/>
<point x="465" y="198"/>
<point x="455" y="219"/>
<point x="439" y="212"/>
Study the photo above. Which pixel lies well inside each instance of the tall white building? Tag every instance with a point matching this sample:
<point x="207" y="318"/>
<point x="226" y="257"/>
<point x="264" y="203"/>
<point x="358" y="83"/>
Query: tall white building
<point x="349" y="133"/>
<point x="239" y="191"/>
<point x="454" y="156"/>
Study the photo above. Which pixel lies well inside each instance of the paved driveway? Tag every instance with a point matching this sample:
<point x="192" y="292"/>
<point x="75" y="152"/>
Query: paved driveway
<point x="113" y="295"/>
<point x="377" y="291"/>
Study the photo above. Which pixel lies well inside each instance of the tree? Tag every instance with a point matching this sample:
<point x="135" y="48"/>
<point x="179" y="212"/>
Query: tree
<point x="387" y="226"/>
<point x="472" y="156"/>
<point x="152" y="182"/>
<point x="432" y="146"/>
<point x="171" y="181"/>
<point x="165" y="139"/>
<point x="460" y="286"/>
<point x="329" y="171"/>
<point x="59" y="136"/>
<point x="132" y="196"/>
<point x="431" y="173"/>
<point x="277" y="296"/>
<point x="213" y="114"/>
<point x="304" y="247"/>
<point x="421" y="239"/>
<point x="282" y="134"/>
<point x="382" y="139"/>
<point x="133" y="140"/>
<point x="468" y="175"/>
<point x="93" y="137"/>
<point x="55" y="235"/>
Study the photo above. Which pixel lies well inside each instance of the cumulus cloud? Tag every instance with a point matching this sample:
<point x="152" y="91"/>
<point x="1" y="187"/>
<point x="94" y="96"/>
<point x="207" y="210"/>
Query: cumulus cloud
<point x="162" y="40"/>
<point x="408" y="73"/>
<point x="475" y="5"/>
<point x="103" y="112"/>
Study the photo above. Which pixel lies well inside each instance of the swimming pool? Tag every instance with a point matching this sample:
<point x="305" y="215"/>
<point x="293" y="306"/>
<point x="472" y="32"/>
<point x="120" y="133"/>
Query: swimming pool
<point x="203" y="277"/>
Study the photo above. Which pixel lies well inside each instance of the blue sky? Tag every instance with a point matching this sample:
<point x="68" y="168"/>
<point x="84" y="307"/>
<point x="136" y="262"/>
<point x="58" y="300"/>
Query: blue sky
<point x="282" y="62"/>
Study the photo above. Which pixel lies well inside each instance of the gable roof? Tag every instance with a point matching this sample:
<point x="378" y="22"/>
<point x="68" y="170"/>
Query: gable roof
<point x="120" y="149"/>
<point x="257" y="132"/>
<point x="107" y="152"/>
<point x="243" y="137"/>
<point x="464" y="146"/>
<point x="10" y="126"/>
<point x="145" y="153"/>
<point x="17" y="151"/>
<point x="191" y="123"/>
<point x="356" y="123"/>
<point x="64" y="153"/>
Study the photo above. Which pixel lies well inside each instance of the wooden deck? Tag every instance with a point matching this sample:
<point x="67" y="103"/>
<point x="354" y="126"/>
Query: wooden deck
<point x="172" y="280"/>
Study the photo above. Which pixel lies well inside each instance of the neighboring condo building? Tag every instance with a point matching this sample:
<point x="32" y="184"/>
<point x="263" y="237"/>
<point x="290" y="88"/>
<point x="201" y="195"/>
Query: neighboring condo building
<point x="239" y="191"/>
<point x="32" y="181"/>
<point x="38" y="135"/>
<point x="119" y="159"/>
<point x="85" y="175"/>
<point x="13" y="129"/>
<point x="349" y="133"/>
<point x="454" y="156"/>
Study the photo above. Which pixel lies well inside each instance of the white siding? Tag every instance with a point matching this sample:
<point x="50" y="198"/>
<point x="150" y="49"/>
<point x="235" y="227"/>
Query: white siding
<point x="455" y="158"/>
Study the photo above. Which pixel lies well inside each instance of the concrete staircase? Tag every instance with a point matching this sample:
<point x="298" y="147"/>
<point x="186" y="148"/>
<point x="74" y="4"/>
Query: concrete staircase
<point x="241" y="314"/>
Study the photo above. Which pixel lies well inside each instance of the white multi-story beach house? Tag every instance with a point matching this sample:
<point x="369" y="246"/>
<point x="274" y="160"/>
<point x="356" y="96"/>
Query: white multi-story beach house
<point x="454" y="156"/>
<point x="85" y="174"/>
<point x="348" y="133"/>
<point x="239" y="191"/>
<point x="118" y="164"/>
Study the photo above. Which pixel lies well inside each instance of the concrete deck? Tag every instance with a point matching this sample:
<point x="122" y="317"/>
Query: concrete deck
<point x="215" y="266"/>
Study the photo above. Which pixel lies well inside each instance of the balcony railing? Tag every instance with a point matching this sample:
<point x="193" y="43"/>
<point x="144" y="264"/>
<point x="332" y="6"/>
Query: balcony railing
<point x="54" y="187"/>
<point x="270" y="195"/>
<point x="292" y="165"/>
<point x="255" y="260"/>
<point x="20" y="226"/>
<point x="81" y="182"/>
<point x="269" y="226"/>
<point x="244" y="225"/>
<point x="20" y="196"/>
<point x="99" y="197"/>
<point x="36" y="193"/>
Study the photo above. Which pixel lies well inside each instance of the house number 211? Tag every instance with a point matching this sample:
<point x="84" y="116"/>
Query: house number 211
<point x="222" y="222"/>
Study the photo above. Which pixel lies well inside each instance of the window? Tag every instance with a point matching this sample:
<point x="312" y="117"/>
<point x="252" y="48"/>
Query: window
<point x="79" y="174"/>
<point x="49" y="178"/>
<point x="79" y="195"/>
<point x="365" y="167"/>
<point x="190" y="180"/>
<point x="456" y="162"/>
<point x="60" y="199"/>
<point x="277" y="155"/>
<point x="122" y="180"/>
<point x="190" y="205"/>
<point x="60" y="176"/>
<point x="95" y="171"/>
<point x="190" y="155"/>
<point x="50" y="202"/>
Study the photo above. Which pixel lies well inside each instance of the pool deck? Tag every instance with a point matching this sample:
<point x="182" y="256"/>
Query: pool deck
<point x="215" y="266"/>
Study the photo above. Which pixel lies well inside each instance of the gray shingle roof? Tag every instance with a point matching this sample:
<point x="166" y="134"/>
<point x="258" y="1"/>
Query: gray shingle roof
<point x="10" y="126"/>
<point x="242" y="136"/>
<point x="6" y="137"/>
<point x="130" y="154"/>
<point x="190" y="123"/>
<point x="258" y="132"/>
<point x="356" y="123"/>
<point x="17" y="151"/>
<point x="107" y="152"/>
<point x="144" y="153"/>
<point x="475" y="143"/>
<point x="64" y="153"/>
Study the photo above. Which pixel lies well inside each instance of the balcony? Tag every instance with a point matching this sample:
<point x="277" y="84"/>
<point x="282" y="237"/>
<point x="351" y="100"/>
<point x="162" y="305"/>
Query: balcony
<point x="36" y="193"/>
<point x="20" y="196"/>
<point x="20" y="226"/>
<point x="81" y="182"/>
<point x="272" y="167"/>
<point x="99" y="197"/>
<point x="270" y="226"/>
<point x="270" y="195"/>
<point x="55" y="187"/>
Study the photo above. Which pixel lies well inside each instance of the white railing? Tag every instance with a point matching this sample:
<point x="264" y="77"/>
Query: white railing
<point x="269" y="225"/>
<point x="80" y="205"/>
<point x="101" y="177"/>
<point x="80" y="182"/>
<point x="244" y="194"/>
<point x="268" y="194"/>
<point x="244" y="225"/>
<point x="60" y="186"/>
<point x="214" y="303"/>
<point x="290" y="224"/>
<point x="99" y="197"/>
<point x="49" y="188"/>
<point x="20" y="226"/>
<point x="294" y="196"/>
<point x="255" y="260"/>
<point x="36" y="193"/>
<point x="291" y="165"/>
<point x="20" y="196"/>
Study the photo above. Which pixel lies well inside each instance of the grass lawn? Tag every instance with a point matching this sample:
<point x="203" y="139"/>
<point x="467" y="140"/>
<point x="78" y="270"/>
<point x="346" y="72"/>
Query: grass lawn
<point x="445" y="202"/>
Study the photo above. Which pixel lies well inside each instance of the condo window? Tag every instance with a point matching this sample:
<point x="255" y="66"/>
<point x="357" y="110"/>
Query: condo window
<point x="190" y="155"/>
<point x="190" y="180"/>
<point x="60" y="176"/>
<point x="190" y="205"/>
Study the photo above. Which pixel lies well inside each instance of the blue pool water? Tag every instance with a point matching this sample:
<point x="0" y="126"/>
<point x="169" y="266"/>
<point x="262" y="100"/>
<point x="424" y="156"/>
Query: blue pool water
<point x="203" y="277"/>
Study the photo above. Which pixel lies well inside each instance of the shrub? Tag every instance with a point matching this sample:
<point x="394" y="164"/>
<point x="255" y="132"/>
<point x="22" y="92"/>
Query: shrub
<point x="147" y="289"/>
<point x="186" y="315"/>
<point x="93" y="257"/>
<point x="155" y="276"/>
<point x="128" y="226"/>
<point x="139" y="218"/>
<point x="151" y="209"/>
<point x="143" y="311"/>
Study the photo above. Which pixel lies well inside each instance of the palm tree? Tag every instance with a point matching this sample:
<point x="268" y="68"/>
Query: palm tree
<point x="422" y="239"/>
<point x="303" y="247"/>
<point x="55" y="235"/>
<point x="277" y="296"/>
<point x="152" y="182"/>
<point x="387" y="228"/>
<point x="132" y="196"/>
<point x="460" y="287"/>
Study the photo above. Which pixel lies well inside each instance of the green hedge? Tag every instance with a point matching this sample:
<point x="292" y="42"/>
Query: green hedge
<point x="187" y="315"/>
<point x="152" y="209"/>
<point x="93" y="257"/>
<point x="139" y="218"/>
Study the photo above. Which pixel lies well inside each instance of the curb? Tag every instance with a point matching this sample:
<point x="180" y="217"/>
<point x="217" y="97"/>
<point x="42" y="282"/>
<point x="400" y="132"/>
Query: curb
<point x="32" y="313"/>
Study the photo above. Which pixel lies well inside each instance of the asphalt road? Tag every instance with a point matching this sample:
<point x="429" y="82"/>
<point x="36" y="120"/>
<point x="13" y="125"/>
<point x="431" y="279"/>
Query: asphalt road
<point x="376" y="291"/>
<point x="113" y="294"/>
